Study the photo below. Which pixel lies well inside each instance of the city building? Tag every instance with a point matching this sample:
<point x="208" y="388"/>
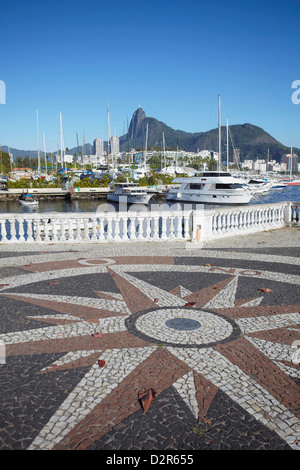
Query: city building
<point x="98" y="146"/>
<point x="114" y="145"/>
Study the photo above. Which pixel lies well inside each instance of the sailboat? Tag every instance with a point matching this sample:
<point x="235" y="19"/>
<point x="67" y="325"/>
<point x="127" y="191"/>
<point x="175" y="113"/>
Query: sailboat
<point x="292" y="181"/>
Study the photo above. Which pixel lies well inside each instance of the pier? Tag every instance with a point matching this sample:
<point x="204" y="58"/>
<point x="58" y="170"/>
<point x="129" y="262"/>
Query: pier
<point x="75" y="193"/>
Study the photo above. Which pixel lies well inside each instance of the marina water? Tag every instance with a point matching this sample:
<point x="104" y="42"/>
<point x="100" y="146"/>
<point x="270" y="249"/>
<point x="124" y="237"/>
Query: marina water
<point x="290" y="193"/>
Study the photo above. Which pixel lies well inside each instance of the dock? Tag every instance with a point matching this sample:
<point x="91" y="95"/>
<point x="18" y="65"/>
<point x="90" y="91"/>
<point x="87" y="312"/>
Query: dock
<point x="73" y="193"/>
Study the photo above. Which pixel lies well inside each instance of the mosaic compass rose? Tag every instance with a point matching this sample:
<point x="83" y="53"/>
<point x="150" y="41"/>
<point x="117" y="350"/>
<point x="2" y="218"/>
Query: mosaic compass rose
<point x="155" y="323"/>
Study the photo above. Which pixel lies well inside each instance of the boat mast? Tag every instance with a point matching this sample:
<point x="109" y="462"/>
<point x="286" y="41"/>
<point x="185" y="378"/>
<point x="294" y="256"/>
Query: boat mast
<point x="219" y="119"/>
<point x="61" y="141"/>
<point x="146" y="145"/>
<point x="164" y="149"/>
<point x="108" y="133"/>
<point x="45" y="152"/>
<point x="227" y="148"/>
<point x="38" y="145"/>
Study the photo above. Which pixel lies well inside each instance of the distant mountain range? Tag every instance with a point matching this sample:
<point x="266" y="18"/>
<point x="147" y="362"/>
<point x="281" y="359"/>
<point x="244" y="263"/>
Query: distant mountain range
<point x="252" y="141"/>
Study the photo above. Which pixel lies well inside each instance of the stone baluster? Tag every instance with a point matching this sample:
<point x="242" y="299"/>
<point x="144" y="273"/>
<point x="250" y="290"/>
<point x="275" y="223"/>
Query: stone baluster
<point x="264" y="218"/>
<point x="235" y="223"/>
<point x="86" y="237"/>
<point x="213" y="225"/>
<point x="70" y="229"/>
<point x="100" y="226"/>
<point x="30" y="230"/>
<point x="118" y="225"/>
<point x="78" y="231"/>
<point x="94" y="230"/>
<point x="223" y="222"/>
<point x="246" y="223"/>
<point x="125" y="224"/>
<point x="47" y="232"/>
<point x="140" y="228"/>
<point x="63" y="227"/>
<point x="130" y="228"/>
<point x="54" y="224"/>
<point x="178" y="227"/>
<point x="155" y="227"/>
<point x="38" y="226"/>
<point x="230" y="222"/>
<point x="250" y="221"/>
<point x="109" y="228"/>
<point x="3" y="238"/>
<point x="21" y="229"/>
<point x="218" y="224"/>
<point x="13" y="237"/>
<point x="164" y="227"/>
<point x="172" y="227"/>
<point x="148" y="222"/>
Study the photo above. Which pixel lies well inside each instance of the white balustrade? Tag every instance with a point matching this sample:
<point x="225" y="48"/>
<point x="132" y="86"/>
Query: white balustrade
<point x="146" y="226"/>
<point x="231" y="221"/>
<point x="95" y="227"/>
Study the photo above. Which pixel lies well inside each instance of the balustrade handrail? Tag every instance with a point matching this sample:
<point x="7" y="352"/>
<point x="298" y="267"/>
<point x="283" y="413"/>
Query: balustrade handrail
<point x="146" y="225"/>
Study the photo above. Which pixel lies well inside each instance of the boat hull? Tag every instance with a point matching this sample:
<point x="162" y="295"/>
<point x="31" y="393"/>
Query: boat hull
<point x="209" y="198"/>
<point x="138" y="199"/>
<point x="29" y="204"/>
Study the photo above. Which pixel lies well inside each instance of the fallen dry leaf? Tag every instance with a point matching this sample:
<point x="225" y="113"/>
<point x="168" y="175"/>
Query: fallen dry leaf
<point x="190" y="304"/>
<point x="97" y="335"/>
<point x="146" y="397"/>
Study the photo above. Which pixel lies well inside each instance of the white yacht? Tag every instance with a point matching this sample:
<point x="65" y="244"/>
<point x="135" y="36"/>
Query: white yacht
<point x="259" y="186"/>
<point x="210" y="187"/>
<point x="131" y="191"/>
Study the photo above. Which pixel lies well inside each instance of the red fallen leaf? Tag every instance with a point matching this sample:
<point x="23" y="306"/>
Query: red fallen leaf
<point x="264" y="289"/>
<point x="97" y="335"/>
<point x="146" y="397"/>
<point x="190" y="304"/>
<point x="54" y="282"/>
<point x="3" y="285"/>
<point x="101" y="363"/>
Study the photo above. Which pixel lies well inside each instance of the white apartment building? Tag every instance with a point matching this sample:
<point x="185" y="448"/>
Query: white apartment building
<point x="114" y="145"/>
<point x="98" y="146"/>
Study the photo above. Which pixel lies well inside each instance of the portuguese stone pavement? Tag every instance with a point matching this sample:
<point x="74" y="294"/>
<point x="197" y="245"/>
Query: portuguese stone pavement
<point x="212" y="334"/>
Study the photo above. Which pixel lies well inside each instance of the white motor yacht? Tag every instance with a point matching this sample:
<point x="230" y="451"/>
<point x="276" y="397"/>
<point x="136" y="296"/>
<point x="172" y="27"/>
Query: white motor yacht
<point x="259" y="186"/>
<point x="131" y="191"/>
<point x="210" y="187"/>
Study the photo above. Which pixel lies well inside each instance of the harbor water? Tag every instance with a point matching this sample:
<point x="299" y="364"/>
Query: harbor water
<point x="290" y="193"/>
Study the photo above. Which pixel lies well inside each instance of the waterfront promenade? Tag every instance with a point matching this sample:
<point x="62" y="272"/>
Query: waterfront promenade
<point x="212" y="332"/>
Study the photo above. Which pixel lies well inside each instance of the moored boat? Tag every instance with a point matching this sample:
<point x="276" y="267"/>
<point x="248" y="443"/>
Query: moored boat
<point x="130" y="191"/>
<point x="28" y="200"/>
<point x="211" y="187"/>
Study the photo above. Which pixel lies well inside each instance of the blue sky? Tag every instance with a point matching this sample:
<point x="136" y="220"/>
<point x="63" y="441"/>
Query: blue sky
<point x="171" y="57"/>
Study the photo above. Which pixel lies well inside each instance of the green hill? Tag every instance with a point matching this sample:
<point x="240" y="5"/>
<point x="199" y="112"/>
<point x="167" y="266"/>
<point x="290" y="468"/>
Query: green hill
<point x="252" y="141"/>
